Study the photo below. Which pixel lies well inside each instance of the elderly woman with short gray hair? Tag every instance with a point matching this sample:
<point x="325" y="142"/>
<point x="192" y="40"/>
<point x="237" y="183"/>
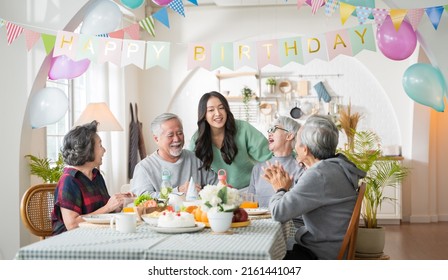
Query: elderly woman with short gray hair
<point x="81" y="189"/>
<point x="325" y="194"/>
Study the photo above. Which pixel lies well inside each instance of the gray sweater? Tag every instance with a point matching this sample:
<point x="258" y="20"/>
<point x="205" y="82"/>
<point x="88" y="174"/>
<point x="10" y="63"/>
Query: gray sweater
<point x="325" y="196"/>
<point x="148" y="173"/>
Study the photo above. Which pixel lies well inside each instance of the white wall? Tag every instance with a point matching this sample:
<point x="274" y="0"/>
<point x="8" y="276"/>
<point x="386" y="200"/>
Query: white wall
<point x="424" y="193"/>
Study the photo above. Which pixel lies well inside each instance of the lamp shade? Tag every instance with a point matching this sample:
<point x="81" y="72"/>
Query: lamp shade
<point x="102" y="114"/>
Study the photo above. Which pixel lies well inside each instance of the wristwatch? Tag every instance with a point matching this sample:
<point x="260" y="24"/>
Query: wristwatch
<point x="282" y="190"/>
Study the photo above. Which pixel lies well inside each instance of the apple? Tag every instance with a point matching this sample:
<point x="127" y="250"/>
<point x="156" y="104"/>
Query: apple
<point x="240" y="215"/>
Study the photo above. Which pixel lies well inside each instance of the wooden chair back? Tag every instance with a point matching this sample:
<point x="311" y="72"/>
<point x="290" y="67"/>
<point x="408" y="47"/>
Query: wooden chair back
<point x="35" y="209"/>
<point x="348" y="247"/>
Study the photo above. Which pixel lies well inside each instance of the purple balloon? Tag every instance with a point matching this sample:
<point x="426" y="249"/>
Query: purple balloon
<point x="396" y="45"/>
<point x="62" y="67"/>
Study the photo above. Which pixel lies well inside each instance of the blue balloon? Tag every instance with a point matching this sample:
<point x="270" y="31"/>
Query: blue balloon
<point x="132" y="4"/>
<point x="425" y="84"/>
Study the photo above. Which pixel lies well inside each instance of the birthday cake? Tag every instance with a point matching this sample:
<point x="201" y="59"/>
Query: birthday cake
<point x="170" y="219"/>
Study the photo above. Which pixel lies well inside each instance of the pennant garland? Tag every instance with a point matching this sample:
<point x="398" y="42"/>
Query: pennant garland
<point x="379" y="15"/>
<point x="363" y="14"/>
<point x="178" y="6"/>
<point x="13" y="31"/>
<point x="434" y="14"/>
<point x="315" y="5"/>
<point x="397" y="16"/>
<point x="331" y="6"/>
<point x="148" y="25"/>
<point x="119" y="34"/>
<point x="162" y="16"/>
<point x="414" y="17"/>
<point x="300" y="3"/>
<point x="345" y="10"/>
<point x="31" y="38"/>
<point x="133" y="30"/>
<point x="49" y="41"/>
<point x="194" y="2"/>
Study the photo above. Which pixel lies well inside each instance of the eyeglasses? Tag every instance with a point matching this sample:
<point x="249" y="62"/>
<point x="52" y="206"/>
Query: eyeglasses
<point x="273" y="129"/>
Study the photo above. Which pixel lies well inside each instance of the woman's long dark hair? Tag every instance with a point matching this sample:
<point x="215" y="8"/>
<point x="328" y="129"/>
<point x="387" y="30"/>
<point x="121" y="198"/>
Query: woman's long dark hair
<point x="204" y="143"/>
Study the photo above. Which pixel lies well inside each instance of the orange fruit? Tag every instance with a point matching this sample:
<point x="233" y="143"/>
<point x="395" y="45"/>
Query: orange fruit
<point x="204" y="217"/>
<point x="197" y="214"/>
<point x="190" y="209"/>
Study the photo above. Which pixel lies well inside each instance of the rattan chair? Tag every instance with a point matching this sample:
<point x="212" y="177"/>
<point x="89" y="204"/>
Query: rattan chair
<point x="348" y="247"/>
<point x="35" y="209"/>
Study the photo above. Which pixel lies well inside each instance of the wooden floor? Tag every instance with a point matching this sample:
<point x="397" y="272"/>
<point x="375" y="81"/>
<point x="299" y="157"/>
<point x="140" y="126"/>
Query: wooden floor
<point x="417" y="241"/>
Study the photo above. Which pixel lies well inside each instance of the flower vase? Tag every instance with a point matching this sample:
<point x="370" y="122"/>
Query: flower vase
<point x="220" y="221"/>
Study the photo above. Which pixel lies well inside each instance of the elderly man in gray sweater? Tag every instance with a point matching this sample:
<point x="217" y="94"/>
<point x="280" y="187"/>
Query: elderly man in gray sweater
<point x="325" y="194"/>
<point x="182" y="164"/>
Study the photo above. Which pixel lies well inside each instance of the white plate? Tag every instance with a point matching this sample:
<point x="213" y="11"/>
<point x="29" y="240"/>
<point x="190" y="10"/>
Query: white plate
<point x="256" y="211"/>
<point x="198" y="227"/>
<point x="98" y="218"/>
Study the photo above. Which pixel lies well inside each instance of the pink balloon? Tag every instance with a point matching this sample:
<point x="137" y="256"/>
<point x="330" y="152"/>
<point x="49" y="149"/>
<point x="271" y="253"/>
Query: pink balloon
<point x="396" y="45"/>
<point x="162" y="2"/>
<point x="62" y="67"/>
<point x="309" y="3"/>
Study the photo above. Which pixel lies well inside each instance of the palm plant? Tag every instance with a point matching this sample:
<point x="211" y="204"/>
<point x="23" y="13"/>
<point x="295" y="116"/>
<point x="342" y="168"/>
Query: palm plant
<point x="45" y="169"/>
<point x="381" y="172"/>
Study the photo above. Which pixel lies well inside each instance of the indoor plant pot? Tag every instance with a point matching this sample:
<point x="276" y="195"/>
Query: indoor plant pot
<point x="220" y="221"/>
<point x="381" y="172"/>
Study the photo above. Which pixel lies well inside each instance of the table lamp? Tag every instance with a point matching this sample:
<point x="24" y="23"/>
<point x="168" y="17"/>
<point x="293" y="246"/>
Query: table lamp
<point x="102" y="114"/>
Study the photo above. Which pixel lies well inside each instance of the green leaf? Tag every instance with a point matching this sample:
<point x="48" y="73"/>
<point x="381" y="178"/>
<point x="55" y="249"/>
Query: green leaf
<point x="222" y="194"/>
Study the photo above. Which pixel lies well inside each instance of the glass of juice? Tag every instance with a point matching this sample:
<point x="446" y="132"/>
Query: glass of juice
<point x="249" y="200"/>
<point x="128" y="204"/>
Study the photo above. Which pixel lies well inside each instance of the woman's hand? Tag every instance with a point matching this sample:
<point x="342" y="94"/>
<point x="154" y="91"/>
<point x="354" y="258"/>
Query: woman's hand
<point x="277" y="176"/>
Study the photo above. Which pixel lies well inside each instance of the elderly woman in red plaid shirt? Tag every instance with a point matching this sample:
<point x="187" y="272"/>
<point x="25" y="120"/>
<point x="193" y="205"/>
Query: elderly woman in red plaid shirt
<point x="81" y="189"/>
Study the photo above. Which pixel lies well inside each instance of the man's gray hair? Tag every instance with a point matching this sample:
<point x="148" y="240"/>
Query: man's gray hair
<point x="320" y="135"/>
<point x="289" y="124"/>
<point x="156" y="124"/>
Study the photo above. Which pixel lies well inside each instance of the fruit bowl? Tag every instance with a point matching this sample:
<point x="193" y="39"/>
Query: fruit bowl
<point x="234" y="225"/>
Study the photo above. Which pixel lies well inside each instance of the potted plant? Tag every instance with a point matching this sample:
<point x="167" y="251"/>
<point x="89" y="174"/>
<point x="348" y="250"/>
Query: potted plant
<point x="271" y="83"/>
<point x="44" y="168"/>
<point x="247" y="93"/>
<point x="381" y="172"/>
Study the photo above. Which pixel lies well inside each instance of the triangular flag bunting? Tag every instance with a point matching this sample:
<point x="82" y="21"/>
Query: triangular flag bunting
<point x="363" y="14"/>
<point x="162" y="16"/>
<point x="105" y="35"/>
<point x="331" y="6"/>
<point x="446" y="8"/>
<point x="133" y="30"/>
<point x="148" y="25"/>
<point x="194" y="2"/>
<point x="31" y="38"/>
<point x="49" y="41"/>
<point x="414" y="17"/>
<point x="300" y="3"/>
<point x="379" y="15"/>
<point x="345" y="10"/>
<point x="119" y="34"/>
<point x="315" y="5"/>
<point x="434" y="15"/>
<point x="13" y="31"/>
<point x="177" y="6"/>
<point x="397" y="16"/>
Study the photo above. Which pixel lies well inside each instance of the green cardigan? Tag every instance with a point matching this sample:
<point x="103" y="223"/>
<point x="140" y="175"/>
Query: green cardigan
<point x="252" y="148"/>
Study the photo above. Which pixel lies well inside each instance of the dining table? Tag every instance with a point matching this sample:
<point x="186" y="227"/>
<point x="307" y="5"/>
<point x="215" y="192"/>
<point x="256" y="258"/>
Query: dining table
<point x="262" y="239"/>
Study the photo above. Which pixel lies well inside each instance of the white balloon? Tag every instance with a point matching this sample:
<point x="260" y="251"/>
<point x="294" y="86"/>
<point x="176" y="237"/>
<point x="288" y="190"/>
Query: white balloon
<point x="47" y="106"/>
<point x="103" y="17"/>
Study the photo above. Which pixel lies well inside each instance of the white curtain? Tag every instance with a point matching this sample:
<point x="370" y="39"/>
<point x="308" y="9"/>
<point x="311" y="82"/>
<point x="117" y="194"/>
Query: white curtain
<point x="105" y="83"/>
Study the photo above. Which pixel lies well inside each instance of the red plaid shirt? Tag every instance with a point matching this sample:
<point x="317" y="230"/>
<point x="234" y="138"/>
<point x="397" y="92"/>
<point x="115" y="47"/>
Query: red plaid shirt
<point x="78" y="193"/>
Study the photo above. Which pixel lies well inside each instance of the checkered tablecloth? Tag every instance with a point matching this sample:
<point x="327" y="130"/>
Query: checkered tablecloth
<point x="262" y="239"/>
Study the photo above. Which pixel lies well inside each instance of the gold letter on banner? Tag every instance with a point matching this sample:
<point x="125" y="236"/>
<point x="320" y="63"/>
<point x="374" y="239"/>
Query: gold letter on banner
<point x="63" y="41"/>
<point x="199" y="51"/>
<point x="268" y="50"/>
<point x="338" y="40"/>
<point x="158" y="51"/>
<point x="243" y="49"/>
<point x="88" y="46"/>
<point x="361" y="35"/>
<point x="293" y="48"/>
<point x="309" y="45"/>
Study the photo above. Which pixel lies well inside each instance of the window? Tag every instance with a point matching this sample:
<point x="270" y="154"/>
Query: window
<point x="76" y="94"/>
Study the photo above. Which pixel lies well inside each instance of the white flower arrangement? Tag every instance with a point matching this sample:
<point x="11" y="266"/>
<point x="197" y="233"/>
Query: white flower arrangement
<point x="219" y="198"/>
